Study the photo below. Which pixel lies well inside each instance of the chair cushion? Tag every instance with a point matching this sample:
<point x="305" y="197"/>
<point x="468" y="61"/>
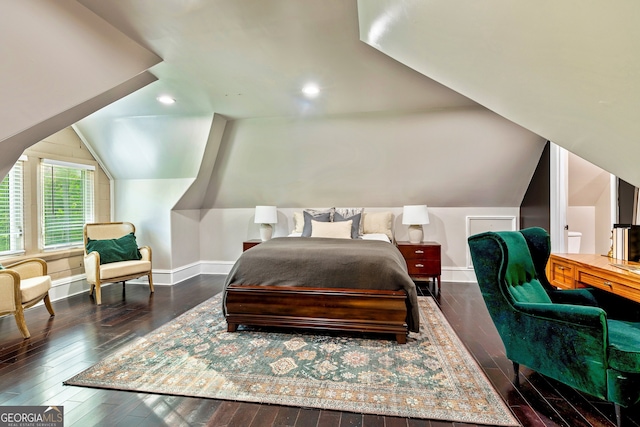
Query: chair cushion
<point x="624" y="345"/>
<point x="124" y="268"/>
<point x="520" y="275"/>
<point x="124" y="248"/>
<point x="34" y="288"/>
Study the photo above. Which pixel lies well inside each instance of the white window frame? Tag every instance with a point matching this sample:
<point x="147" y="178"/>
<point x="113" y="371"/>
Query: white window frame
<point x="45" y="208"/>
<point x="16" y="209"/>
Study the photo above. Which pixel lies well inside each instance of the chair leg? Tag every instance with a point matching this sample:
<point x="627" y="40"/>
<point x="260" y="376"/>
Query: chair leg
<point x="150" y="282"/>
<point x="618" y="410"/>
<point x="516" y="373"/>
<point x="22" y="325"/>
<point x="47" y="303"/>
<point x="98" y="294"/>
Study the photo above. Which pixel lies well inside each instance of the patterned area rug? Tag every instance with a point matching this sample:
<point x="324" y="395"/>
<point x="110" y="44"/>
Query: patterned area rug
<point x="432" y="376"/>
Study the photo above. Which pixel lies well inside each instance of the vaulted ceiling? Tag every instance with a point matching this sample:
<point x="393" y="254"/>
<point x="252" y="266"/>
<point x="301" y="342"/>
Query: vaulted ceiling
<point x="514" y="74"/>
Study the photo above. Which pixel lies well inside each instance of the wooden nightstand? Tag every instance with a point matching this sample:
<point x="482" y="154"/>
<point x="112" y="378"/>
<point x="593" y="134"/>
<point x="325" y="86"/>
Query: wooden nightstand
<point x="423" y="260"/>
<point x="248" y="244"/>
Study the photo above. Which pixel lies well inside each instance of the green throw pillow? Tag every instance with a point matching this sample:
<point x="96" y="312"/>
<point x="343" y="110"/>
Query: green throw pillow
<point x="113" y="250"/>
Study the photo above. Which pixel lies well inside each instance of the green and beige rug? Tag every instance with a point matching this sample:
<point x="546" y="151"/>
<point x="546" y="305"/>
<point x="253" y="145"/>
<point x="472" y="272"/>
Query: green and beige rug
<point x="432" y="376"/>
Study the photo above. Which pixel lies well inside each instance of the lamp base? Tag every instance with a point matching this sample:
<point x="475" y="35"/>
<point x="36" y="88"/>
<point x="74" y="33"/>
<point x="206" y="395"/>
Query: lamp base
<point x="266" y="231"/>
<point x="415" y="233"/>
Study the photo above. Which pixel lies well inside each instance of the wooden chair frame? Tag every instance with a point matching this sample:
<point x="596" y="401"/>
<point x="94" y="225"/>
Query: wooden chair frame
<point x="110" y="230"/>
<point x="27" y="268"/>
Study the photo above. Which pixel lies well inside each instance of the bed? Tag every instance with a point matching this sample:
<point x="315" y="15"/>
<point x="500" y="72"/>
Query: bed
<point x="323" y="283"/>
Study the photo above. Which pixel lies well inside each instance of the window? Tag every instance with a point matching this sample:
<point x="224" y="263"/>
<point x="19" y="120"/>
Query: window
<point x="67" y="202"/>
<point x="11" y="208"/>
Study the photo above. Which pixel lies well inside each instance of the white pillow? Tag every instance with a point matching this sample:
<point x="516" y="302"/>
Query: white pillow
<point x="378" y="222"/>
<point x="337" y="230"/>
<point x="298" y="222"/>
<point x="349" y="212"/>
<point x="376" y="236"/>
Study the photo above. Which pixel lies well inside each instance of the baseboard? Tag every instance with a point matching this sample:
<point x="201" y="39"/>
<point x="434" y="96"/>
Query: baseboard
<point x="458" y="274"/>
<point x="67" y="287"/>
<point x="180" y="274"/>
<point x="216" y="267"/>
<point x="172" y="277"/>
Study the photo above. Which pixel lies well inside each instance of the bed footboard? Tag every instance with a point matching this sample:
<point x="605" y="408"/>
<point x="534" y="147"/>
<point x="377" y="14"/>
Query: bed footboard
<point x="335" y="309"/>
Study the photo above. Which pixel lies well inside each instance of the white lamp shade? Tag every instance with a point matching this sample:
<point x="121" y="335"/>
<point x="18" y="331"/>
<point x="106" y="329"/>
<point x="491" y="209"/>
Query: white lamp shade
<point x="415" y="214"/>
<point x="266" y="215"/>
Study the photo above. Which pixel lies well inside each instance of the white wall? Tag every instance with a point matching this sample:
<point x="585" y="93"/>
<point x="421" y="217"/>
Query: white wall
<point x="583" y="219"/>
<point x="455" y="157"/>
<point x="222" y="232"/>
<point x="147" y="204"/>
<point x="185" y="237"/>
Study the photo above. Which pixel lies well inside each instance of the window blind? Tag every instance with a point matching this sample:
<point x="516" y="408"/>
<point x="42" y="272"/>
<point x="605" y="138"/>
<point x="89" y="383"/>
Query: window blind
<point x="67" y="202"/>
<point x="11" y="211"/>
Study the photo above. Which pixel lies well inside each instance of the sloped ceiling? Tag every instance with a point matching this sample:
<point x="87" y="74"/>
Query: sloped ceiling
<point x="378" y="134"/>
<point x="385" y="133"/>
<point x="568" y="71"/>
<point x="60" y="63"/>
<point x="251" y="58"/>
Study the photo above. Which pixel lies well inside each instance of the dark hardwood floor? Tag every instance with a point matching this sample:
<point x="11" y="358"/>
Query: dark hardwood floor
<point x="81" y="333"/>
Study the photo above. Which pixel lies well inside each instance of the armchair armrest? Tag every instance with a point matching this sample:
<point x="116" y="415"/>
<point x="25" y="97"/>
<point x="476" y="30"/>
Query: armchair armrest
<point x="145" y="251"/>
<point x="9" y="291"/>
<point x="582" y="315"/>
<point x="92" y="266"/>
<point x="28" y="268"/>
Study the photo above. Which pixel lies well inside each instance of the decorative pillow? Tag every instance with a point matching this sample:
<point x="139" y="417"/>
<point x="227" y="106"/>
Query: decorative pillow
<point x="336" y="230"/>
<point x="113" y="250"/>
<point x="315" y="212"/>
<point x="379" y="222"/>
<point x="1" y="267"/>
<point x="316" y="215"/>
<point x="348" y="213"/>
<point x="355" y="219"/>
<point x="298" y="222"/>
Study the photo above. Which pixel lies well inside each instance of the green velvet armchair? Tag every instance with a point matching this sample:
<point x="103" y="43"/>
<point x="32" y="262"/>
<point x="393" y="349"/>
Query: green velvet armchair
<point x="566" y="335"/>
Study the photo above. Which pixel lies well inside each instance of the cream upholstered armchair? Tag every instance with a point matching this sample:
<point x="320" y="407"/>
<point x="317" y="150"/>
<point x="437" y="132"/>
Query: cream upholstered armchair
<point x="111" y="254"/>
<point x="24" y="284"/>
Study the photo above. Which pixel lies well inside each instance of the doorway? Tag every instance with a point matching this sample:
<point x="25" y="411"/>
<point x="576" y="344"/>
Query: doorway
<point x="585" y="201"/>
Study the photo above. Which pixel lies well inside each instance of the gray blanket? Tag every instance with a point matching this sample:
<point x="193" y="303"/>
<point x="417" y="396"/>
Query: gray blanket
<point x="327" y="263"/>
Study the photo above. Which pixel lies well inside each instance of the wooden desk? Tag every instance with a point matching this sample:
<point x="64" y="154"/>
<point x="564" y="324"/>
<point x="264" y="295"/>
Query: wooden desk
<point x="571" y="271"/>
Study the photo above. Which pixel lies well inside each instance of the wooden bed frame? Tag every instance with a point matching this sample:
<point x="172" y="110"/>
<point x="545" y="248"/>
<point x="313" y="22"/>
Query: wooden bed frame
<point x="335" y="309"/>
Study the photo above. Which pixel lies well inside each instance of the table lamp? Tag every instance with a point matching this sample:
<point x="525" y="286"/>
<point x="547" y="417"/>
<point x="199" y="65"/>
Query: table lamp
<point x="415" y="216"/>
<point x="265" y="216"/>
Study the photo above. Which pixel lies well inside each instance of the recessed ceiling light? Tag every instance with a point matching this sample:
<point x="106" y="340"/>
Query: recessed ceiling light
<point x="311" y="90"/>
<point x="166" y="99"/>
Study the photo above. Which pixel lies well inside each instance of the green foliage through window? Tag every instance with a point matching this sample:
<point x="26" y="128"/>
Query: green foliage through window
<point x="11" y="208"/>
<point x="67" y="203"/>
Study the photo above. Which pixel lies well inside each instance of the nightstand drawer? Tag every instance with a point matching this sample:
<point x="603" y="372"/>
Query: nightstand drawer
<point x="423" y="267"/>
<point x="419" y="252"/>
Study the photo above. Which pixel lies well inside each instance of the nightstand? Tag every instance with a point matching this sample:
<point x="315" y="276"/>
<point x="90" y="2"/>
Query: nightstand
<point x="248" y="244"/>
<point x="423" y="260"/>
